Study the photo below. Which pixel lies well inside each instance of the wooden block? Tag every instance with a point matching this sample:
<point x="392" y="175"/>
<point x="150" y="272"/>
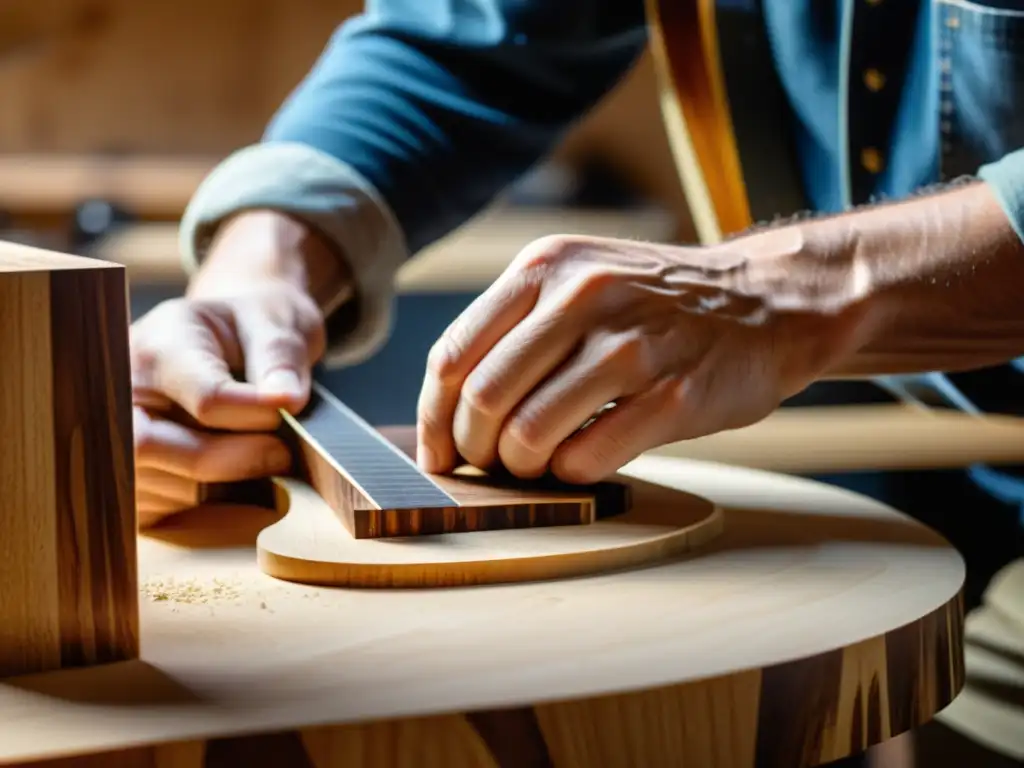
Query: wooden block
<point x="376" y="490"/>
<point x="68" y="583"/>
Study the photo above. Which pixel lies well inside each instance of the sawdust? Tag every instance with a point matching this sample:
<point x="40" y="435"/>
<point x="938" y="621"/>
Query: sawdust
<point x="183" y="593"/>
<point x="192" y="591"/>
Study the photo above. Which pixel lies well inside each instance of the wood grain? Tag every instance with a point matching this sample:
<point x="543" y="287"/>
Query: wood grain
<point x="68" y="549"/>
<point x="695" y="110"/>
<point x="816" y="623"/>
<point x="309" y="546"/>
<point x="376" y="490"/>
<point x="848" y="438"/>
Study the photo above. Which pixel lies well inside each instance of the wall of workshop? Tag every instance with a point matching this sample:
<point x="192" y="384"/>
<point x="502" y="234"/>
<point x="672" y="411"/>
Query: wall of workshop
<point x="202" y="77"/>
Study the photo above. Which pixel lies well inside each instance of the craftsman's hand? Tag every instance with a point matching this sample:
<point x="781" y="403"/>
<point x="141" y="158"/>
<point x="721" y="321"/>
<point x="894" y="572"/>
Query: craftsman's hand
<point x="684" y="341"/>
<point x="210" y="372"/>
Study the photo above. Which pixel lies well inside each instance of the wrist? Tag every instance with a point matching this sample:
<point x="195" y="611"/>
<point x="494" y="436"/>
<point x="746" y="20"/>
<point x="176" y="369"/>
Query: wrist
<point x="825" y="301"/>
<point x="267" y="244"/>
<point x="933" y="281"/>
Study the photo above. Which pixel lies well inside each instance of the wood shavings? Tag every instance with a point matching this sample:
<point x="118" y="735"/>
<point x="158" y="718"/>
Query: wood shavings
<point x="191" y="591"/>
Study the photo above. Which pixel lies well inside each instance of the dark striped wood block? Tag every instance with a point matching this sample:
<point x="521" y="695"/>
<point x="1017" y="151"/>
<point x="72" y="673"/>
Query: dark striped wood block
<point x="68" y="585"/>
<point x="375" y="488"/>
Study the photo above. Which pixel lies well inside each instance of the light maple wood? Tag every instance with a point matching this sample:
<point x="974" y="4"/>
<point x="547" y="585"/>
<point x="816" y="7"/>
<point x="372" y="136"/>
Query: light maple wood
<point x="848" y="438"/>
<point x="818" y="622"/>
<point x="68" y="588"/>
<point x="310" y="546"/>
<point x="695" y="111"/>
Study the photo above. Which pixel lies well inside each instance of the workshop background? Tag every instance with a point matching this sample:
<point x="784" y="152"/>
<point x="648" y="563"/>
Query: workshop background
<point x="114" y="110"/>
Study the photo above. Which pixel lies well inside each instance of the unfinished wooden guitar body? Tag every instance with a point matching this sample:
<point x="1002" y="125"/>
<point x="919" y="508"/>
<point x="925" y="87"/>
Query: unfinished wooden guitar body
<point x="360" y="513"/>
<point x="308" y="545"/>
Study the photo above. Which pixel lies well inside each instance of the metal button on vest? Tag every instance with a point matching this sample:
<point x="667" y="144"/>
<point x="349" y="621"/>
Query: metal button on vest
<point x="871" y="159"/>
<point x="874" y="80"/>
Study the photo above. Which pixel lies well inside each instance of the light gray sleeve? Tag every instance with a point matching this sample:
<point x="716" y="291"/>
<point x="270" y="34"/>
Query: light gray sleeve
<point x="330" y="195"/>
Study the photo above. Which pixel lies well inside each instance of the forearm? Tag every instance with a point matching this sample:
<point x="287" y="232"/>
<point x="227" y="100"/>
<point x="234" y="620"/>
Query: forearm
<point x="269" y="243"/>
<point x="441" y="116"/>
<point x="411" y="121"/>
<point x="939" y="280"/>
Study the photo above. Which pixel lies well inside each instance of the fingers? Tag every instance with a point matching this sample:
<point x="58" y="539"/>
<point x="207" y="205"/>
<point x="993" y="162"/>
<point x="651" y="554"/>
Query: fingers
<point x="153" y="507"/>
<point x="175" y="449"/>
<point x="516" y="365"/>
<point x="622" y="433"/>
<point x="609" y="366"/>
<point x="172" y="462"/>
<point x="280" y="346"/>
<point x="185" y="356"/>
<point x="174" y="489"/>
<point x="462" y="346"/>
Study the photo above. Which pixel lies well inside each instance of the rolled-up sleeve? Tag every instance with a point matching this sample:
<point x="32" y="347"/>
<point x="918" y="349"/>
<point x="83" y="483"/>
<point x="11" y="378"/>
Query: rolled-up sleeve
<point x="1006" y="177"/>
<point x="415" y="116"/>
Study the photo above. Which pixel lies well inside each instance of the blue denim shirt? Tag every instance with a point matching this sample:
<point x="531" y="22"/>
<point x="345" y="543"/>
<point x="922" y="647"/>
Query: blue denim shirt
<point x="419" y="112"/>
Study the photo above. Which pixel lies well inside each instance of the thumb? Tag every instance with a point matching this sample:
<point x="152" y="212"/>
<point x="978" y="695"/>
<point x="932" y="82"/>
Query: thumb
<point x="277" y="358"/>
<point x="177" y="360"/>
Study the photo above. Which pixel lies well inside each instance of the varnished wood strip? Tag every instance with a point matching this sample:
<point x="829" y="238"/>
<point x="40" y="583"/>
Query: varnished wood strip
<point x="709" y="723"/>
<point x="513" y="737"/>
<point x="274" y="750"/>
<point x="29" y="607"/>
<point x="925" y="666"/>
<point x="372" y="524"/>
<point x="94" y="468"/>
<point x="441" y="741"/>
<point x="684" y="45"/>
<point x="793" y="734"/>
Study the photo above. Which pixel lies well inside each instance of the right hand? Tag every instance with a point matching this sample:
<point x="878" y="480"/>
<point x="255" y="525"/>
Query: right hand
<point x="196" y="422"/>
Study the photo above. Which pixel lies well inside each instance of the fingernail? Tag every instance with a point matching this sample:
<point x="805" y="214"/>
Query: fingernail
<point x="281" y="382"/>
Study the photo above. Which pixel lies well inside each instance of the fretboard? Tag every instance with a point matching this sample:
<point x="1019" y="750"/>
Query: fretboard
<point x="381" y="472"/>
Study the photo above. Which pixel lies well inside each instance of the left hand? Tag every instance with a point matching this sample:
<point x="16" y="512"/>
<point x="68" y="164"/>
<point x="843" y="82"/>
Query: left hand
<point x="684" y="341"/>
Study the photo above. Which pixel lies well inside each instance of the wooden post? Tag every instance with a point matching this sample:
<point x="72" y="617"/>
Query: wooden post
<point x="68" y="570"/>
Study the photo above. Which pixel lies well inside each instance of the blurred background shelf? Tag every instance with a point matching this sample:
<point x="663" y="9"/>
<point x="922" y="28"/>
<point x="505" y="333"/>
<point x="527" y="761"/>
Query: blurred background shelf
<point x="52" y="185"/>
<point x="466" y="261"/>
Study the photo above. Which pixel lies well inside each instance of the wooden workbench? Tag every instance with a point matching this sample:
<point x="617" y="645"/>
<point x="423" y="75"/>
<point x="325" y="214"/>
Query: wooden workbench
<point x="818" y="623"/>
<point x="814" y="624"/>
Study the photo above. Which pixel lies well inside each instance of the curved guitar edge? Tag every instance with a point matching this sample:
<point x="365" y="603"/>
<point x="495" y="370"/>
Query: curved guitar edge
<point x="311" y="572"/>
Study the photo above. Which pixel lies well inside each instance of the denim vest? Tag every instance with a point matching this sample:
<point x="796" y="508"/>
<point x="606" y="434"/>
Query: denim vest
<point x="924" y="91"/>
